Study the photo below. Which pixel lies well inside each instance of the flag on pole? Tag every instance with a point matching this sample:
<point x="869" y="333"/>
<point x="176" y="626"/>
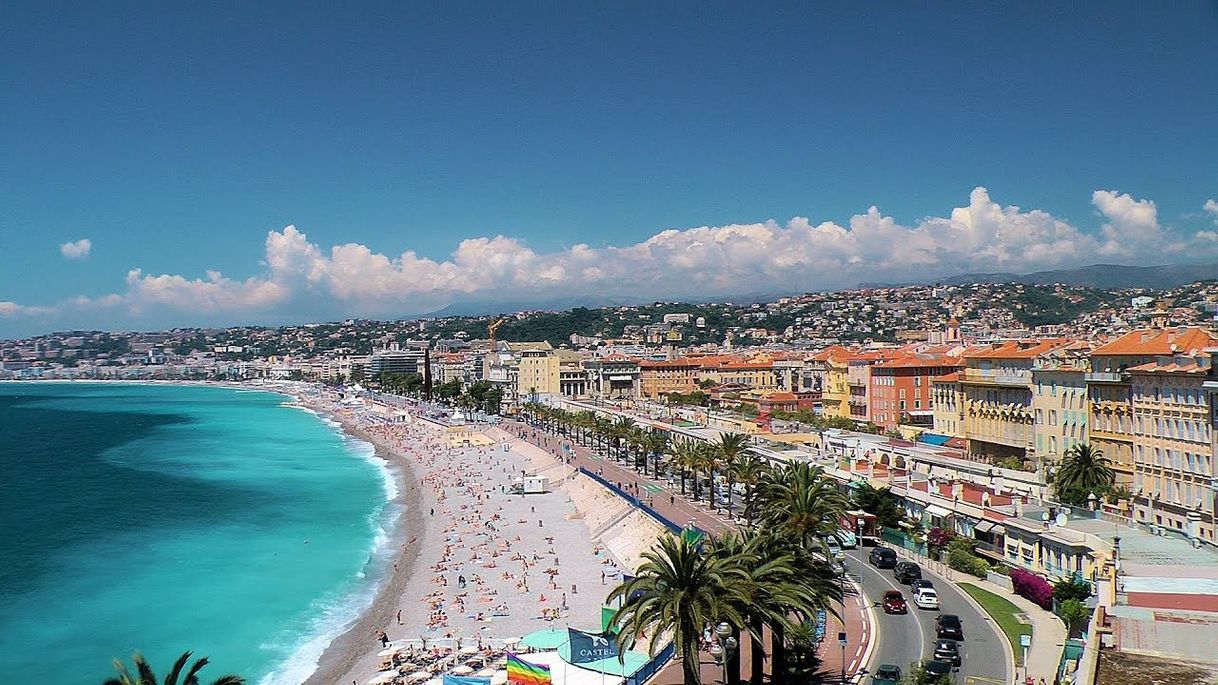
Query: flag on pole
<point x="524" y="673"/>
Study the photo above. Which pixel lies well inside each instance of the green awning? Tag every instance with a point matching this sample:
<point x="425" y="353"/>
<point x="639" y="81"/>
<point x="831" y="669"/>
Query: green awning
<point x="549" y="638"/>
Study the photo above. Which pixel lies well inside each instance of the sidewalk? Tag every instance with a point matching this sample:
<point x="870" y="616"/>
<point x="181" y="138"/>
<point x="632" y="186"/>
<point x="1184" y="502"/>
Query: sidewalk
<point x="680" y="510"/>
<point x="1048" y="632"/>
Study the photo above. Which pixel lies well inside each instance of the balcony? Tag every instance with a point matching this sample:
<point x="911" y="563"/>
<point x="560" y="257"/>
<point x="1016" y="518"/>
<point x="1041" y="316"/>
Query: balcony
<point x="1017" y="378"/>
<point x="1107" y="377"/>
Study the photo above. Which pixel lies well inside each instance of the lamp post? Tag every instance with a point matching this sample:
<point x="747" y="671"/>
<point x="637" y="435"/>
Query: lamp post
<point x="724" y="647"/>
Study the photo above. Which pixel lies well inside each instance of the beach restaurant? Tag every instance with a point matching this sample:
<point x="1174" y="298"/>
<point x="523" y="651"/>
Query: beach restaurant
<point x="554" y="656"/>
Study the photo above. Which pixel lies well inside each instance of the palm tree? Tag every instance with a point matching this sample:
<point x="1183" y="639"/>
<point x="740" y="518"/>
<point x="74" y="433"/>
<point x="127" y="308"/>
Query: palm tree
<point x="683" y="457"/>
<point x="656" y="445"/>
<point x="749" y="470"/>
<point x="731" y="447"/>
<point x="1084" y="470"/>
<point x="798" y="499"/>
<point x="603" y="429"/>
<point x="637" y="439"/>
<point x="146" y="677"/>
<point x="621" y="431"/>
<point x="676" y="591"/>
<point x="786" y="587"/>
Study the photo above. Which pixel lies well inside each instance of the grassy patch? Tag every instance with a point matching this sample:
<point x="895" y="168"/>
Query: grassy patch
<point x="1003" y="612"/>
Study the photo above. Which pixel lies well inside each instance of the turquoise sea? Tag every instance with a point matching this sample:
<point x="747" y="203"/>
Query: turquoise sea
<point x="161" y="519"/>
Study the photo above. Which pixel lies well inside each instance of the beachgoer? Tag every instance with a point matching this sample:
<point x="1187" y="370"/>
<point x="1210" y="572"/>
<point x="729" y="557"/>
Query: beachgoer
<point x="399" y="617"/>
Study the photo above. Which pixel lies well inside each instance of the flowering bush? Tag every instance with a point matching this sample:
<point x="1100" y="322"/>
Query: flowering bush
<point x="939" y="537"/>
<point x="1032" y="587"/>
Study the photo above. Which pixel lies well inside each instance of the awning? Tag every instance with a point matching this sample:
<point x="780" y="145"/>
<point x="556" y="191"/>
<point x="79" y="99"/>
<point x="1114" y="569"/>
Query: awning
<point x="935" y="510"/>
<point x="983" y="527"/>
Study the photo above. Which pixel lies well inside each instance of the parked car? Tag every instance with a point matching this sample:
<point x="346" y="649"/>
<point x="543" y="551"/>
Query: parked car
<point x="937" y="669"/>
<point x="894" y="602"/>
<point x="882" y="557"/>
<point x="948" y="650"/>
<point x="847" y="539"/>
<point x="919" y="584"/>
<point x="835" y="549"/>
<point x="907" y="572"/>
<point x="926" y="598"/>
<point x="948" y="626"/>
<point x="886" y="674"/>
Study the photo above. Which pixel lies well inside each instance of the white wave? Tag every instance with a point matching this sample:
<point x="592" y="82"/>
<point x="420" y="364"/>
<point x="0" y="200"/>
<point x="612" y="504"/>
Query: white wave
<point x="335" y="617"/>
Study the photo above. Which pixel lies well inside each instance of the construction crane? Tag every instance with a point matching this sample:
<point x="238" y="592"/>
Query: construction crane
<point x="490" y="334"/>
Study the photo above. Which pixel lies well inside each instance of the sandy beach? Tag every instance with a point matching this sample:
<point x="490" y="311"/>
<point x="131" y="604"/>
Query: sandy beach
<point x="477" y="563"/>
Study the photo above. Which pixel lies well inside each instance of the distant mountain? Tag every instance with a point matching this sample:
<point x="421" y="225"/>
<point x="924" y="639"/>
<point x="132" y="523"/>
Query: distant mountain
<point x="1103" y="276"/>
<point x="557" y="304"/>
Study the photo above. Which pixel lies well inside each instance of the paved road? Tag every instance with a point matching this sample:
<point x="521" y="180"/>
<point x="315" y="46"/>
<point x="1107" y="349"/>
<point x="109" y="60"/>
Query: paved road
<point x="902" y="640"/>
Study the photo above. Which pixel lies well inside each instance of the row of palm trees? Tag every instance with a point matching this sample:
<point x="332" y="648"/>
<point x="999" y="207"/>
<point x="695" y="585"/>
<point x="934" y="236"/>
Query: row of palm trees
<point x="648" y="448"/>
<point x="772" y="577"/>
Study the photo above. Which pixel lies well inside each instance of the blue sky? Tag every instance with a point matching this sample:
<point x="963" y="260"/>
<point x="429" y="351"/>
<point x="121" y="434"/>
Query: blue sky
<point x="176" y="140"/>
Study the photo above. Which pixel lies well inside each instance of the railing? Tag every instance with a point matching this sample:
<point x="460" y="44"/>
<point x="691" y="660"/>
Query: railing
<point x="652" y="666"/>
<point x="635" y="501"/>
<point x="1106" y="377"/>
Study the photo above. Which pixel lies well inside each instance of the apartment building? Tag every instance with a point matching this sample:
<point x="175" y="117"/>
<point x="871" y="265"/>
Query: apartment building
<point x="1173" y="453"/>
<point x="998" y="419"/>
<point x="947" y="408"/>
<point x="658" y="378"/>
<point x="614" y="376"/>
<point x="902" y="388"/>
<point x="537" y="373"/>
<point x="1059" y="400"/>
<point x="1109" y="387"/>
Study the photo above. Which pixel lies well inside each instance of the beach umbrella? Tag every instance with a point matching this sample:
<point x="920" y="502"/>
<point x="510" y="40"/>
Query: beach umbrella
<point x="485" y="673"/>
<point x="383" y="678"/>
<point x="419" y="676"/>
<point x="469" y="649"/>
<point x="499" y="678"/>
<point x="462" y="670"/>
<point x="386" y="652"/>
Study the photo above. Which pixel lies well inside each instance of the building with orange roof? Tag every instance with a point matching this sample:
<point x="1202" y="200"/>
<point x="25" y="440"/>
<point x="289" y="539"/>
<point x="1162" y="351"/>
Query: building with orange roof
<point x="1173" y="449"/>
<point x="1059" y="400"/>
<point x="901" y="388"/>
<point x="998" y="419"/>
<point x="659" y="378"/>
<point x="1109" y="387"/>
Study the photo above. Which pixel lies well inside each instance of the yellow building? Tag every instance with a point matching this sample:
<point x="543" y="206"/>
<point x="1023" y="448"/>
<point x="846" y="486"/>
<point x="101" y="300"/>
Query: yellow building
<point x="998" y="420"/>
<point x="1059" y="400"/>
<point x="660" y="378"/>
<point x="1110" y="424"/>
<point x="948" y="405"/>
<point x="1173" y="459"/>
<point x="537" y="373"/>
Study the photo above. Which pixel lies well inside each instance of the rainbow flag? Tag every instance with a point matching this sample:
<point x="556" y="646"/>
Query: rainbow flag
<point x="525" y="673"/>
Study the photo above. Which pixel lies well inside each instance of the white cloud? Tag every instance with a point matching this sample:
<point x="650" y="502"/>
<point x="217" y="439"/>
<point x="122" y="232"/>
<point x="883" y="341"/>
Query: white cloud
<point x="76" y="249"/>
<point x="307" y="279"/>
<point x="1211" y="206"/>
<point x="12" y="309"/>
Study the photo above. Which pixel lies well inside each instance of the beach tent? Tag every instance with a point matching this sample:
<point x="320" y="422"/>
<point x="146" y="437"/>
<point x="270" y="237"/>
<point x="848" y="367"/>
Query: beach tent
<point x="550" y="638"/>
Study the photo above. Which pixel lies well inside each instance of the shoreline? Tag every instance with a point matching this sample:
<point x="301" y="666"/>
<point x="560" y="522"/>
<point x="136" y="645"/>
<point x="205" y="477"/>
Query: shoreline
<point x="343" y="653"/>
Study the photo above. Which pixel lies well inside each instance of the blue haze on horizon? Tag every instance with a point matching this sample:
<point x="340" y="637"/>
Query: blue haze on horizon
<point x="181" y="141"/>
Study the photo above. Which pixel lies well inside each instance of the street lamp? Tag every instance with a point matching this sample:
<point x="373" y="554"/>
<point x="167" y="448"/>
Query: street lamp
<point x="724" y="647"/>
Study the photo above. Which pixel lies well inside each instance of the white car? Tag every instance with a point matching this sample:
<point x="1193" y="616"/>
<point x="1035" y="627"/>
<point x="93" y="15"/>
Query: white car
<point x="835" y="549"/>
<point x="926" y="598"/>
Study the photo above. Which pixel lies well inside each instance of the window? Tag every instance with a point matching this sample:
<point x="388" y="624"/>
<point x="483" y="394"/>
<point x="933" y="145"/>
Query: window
<point x="1052" y="417"/>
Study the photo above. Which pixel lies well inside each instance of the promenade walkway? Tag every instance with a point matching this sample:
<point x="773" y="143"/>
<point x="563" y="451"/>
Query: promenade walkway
<point x="675" y="507"/>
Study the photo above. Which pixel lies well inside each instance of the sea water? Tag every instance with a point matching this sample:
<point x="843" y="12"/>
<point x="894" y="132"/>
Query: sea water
<point x="168" y="518"/>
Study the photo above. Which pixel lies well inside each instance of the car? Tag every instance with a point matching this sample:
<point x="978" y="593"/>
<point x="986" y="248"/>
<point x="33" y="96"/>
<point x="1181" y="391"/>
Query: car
<point x="947" y="650"/>
<point x="894" y="602"/>
<point x="948" y="626"/>
<point x="835" y="549"/>
<point x="926" y="598"/>
<point x="919" y="584"/>
<point x="936" y="669"/>
<point x="882" y="557"/>
<point x="886" y="674"/>
<point x="907" y="572"/>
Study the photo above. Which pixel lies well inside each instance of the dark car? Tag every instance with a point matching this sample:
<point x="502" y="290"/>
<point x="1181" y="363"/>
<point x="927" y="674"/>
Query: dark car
<point x="894" y="603"/>
<point x="919" y="584"/>
<point x="886" y="674"/>
<point x="948" y="650"/>
<point x="907" y="572"/>
<point x="936" y="669"/>
<point x="948" y="626"/>
<point x="882" y="557"/>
